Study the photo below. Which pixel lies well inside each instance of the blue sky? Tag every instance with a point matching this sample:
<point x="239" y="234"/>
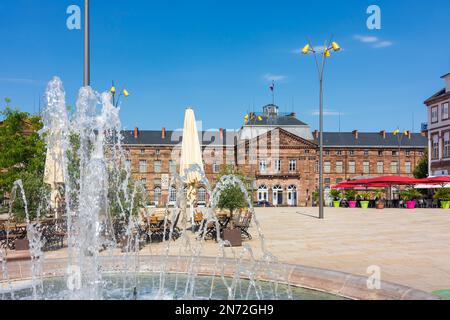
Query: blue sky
<point x="219" y="57"/>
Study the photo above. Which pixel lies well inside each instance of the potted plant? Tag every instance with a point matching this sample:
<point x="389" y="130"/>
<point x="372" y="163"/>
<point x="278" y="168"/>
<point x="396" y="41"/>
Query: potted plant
<point x="336" y="195"/>
<point x="444" y="196"/>
<point x="379" y="195"/>
<point x="410" y="196"/>
<point x="365" y="198"/>
<point x="350" y="195"/>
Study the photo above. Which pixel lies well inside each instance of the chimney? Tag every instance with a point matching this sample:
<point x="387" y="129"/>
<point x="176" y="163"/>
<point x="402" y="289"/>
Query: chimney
<point x="316" y="134"/>
<point x="163" y="133"/>
<point x="447" y="82"/>
<point x="221" y="133"/>
<point x="136" y="132"/>
<point x="355" y="134"/>
<point x="383" y="134"/>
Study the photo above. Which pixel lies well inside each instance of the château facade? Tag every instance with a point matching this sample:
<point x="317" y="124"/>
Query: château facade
<point x="278" y="152"/>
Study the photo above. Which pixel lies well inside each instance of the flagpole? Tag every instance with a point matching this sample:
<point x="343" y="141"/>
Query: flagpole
<point x="273" y="92"/>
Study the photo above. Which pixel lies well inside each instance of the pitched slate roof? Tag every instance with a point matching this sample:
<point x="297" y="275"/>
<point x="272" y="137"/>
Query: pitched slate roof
<point x="436" y="95"/>
<point x="275" y="121"/>
<point x="372" y="140"/>
<point x="172" y="138"/>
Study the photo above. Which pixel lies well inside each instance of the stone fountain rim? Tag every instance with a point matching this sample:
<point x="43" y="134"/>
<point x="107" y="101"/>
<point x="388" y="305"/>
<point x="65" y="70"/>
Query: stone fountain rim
<point x="333" y="282"/>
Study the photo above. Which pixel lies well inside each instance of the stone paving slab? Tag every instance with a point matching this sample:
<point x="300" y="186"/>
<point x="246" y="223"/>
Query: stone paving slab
<point x="411" y="247"/>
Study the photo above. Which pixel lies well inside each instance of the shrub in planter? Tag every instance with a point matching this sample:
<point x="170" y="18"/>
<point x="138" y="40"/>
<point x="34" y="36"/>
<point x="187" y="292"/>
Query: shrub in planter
<point x="444" y="196"/>
<point x="410" y="196"/>
<point x="337" y="196"/>
<point x="350" y="195"/>
<point x="365" y="198"/>
<point x="379" y="197"/>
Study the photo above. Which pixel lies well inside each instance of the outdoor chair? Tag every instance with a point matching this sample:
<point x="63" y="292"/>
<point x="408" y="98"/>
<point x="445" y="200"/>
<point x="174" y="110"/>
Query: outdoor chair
<point x="173" y="231"/>
<point x="156" y="229"/>
<point x="198" y="219"/>
<point x="244" y="225"/>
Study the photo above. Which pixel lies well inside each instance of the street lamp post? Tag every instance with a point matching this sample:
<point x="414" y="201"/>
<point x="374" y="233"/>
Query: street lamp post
<point x="320" y="71"/>
<point x="87" y="63"/>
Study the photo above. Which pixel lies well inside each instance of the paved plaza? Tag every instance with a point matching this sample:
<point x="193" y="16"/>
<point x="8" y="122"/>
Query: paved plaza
<point x="412" y="247"/>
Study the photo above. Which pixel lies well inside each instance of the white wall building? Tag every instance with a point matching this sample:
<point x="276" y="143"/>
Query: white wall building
<point x="439" y="130"/>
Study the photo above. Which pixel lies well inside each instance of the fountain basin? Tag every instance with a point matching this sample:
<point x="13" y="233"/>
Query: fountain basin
<point x="306" y="283"/>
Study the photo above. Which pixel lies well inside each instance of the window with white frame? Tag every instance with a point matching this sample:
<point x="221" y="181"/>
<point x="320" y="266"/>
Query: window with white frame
<point x="339" y="167"/>
<point x="380" y="167"/>
<point x="434" y="114"/>
<point x="202" y="195"/>
<point x="444" y="113"/>
<point x="157" y="195"/>
<point x="172" y="166"/>
<point x="292" y="165"/>
<point x="263" y="193"/>
<point x="172" y="194"/>
<point x="277" y="165"/>
<point x="216" y="167"/>
<point x="447" y="145"/>
<point x="157" y="165"/>
<point x="394" y="167"/>
<point x="435" y="142"/>
<point x="128" y="163"/>
<point x="144" y="183"/>
<point x="366" y="167"/>
<point x="142" y="166"/>
<point x="327" y="167"/>
<point x="262" y="166"/>
<point x="407" y="167"/>
<point x="352" y="167"/>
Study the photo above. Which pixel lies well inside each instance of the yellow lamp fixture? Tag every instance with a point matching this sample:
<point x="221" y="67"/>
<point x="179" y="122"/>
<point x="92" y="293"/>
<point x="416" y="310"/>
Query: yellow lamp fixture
<point x="113" y="90"/>
<point x="335" y="46"/>
<point x="326" y="53"/>
<point x="125" y="93"/>
<point x="306" y="49"/>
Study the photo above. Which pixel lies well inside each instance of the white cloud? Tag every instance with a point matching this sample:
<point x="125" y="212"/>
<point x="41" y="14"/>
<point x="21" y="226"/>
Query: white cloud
<point x="383" y="44"/>
<point x="274" y="77"/>
<point x="367" y="39"/>
<point x="374" y="41"/>
<point x="328" y="113"/>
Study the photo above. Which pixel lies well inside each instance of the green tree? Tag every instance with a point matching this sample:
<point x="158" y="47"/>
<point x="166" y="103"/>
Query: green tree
<point x="22" y="156"/>
<point x="232" y="198"/>
<point x="421" y="170"/>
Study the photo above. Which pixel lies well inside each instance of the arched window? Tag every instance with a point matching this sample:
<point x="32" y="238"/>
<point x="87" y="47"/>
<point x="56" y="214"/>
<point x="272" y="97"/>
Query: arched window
<point x="277" y="195"/>
<point x="157" y="196"/>
<point x="173" y="194"/>
<point x="202" y="195"/>
<point x="263" y="193"/>
<point x="292" y="196"/>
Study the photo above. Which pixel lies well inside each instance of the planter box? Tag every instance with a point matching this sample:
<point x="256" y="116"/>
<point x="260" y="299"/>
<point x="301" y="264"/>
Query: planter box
<point x="445" y="204"/>
<point x="233" y="236"/>
<point x="352" y="204"/>
<point x="336" y="204"/>
<point x="411" y="204"/>
<point x="22" y="245"/>
<point x="364" y="204"/>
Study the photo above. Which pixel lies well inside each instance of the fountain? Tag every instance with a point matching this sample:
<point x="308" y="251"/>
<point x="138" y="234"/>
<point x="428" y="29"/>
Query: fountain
<point x="98" y="187"/>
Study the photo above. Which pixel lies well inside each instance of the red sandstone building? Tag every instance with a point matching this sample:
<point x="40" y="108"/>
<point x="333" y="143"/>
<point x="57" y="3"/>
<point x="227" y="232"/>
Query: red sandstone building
<point x="278" y="152"/>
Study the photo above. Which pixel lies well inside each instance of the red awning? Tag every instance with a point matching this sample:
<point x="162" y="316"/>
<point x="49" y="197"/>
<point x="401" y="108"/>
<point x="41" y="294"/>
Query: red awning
<point x="388" y="180"/>
<point x="345" y="185"/>
<point x="442" y="180"/>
